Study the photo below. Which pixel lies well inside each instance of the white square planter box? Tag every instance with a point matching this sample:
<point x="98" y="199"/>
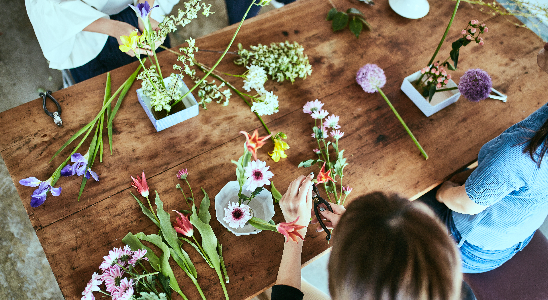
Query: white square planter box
<point x="190" y="111"/>
<point x="440" y="100"/>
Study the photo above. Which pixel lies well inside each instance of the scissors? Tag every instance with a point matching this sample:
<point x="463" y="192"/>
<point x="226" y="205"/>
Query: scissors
<point x="317" y="201"/>
<point x="56" y="115"/>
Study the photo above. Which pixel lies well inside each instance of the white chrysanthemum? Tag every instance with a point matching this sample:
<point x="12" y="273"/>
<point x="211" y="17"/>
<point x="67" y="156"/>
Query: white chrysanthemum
<point x="266" y="104"/>
<point x="257" y="174"/>
<point x="255" y="79"/>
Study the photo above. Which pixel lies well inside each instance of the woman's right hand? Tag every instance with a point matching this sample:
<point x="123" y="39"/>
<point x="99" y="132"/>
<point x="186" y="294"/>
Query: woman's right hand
<point x="330" y="219"/>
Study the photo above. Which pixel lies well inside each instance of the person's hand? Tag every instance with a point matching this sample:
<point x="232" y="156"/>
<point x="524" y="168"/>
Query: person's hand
<point x="445" y="186"/>
<point x="297" y="201"/>
<point x="330" y="219"/>
<point x="542" y="58"/>
<point x="124" y="29"/>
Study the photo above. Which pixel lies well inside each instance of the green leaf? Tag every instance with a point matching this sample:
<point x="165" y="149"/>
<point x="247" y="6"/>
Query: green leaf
<point x="170" y="236"/>
<point x="449" y="66"/>
<point x="454" y="54"/>
<point x="223" y="267"/>
<point x="135" y="244"/>
<point x="209" y="240"/>
<point x="262" y="224"/>
<point x="146" y="211"/>
<point x="340" y="20"/>
<point x="331" y="14"/>
<point x="204" y="214"/>
<point x="431" y="92"/>
<point x="355" y="26"/>
<point x="365" y="22"/>
<point x="457" y="44"/>
<point x="256" y="192"/>
<point x="354" y="11"/>
<point x="308" y="163"/>
<point x="275" y="194"/>
<point x="199" y="251"/>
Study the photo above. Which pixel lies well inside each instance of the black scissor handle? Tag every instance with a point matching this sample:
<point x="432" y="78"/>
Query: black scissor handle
<point x="317" y="201"/>
<point x="56" y="115"/>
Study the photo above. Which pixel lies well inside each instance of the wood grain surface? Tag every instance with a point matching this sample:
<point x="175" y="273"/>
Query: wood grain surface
<point x="76" y="235"/>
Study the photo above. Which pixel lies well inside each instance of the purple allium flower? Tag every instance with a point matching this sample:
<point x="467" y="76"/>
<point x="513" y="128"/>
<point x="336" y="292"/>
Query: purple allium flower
<point x="475" y="85"/>
<point x="371" y="77"/>
<point x="142" y="9"/>
<point x="39" y="195"/>
<point x="312" y="106"/>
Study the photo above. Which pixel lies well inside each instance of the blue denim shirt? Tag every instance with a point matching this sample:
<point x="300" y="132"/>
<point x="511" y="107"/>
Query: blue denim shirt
<point x="513" y="187"/>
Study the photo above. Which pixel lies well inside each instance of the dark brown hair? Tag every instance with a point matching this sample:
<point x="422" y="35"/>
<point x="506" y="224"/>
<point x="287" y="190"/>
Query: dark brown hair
<point x="536" y="141"/>
<point x="387" y="247"/>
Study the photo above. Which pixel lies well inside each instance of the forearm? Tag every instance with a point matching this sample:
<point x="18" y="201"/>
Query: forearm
<point x="290" y="266"/>
<point x="107" y="26"/>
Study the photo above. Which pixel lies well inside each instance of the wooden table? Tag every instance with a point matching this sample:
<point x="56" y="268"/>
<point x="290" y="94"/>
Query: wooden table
<point x="76" y="235"/>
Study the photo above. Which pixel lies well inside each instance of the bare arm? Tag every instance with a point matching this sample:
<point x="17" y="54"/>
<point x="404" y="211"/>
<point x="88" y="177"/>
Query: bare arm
<point x="295" y="203"/>
<point x="456" y="198"/>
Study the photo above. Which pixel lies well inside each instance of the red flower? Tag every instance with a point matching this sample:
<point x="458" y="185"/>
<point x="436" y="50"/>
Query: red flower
<point x="323" y="176"/>
<point x="183" y="226"/>
<point x="254" y="142"/>
<point x="290" y="230"/>
<point x="141" y="185"/>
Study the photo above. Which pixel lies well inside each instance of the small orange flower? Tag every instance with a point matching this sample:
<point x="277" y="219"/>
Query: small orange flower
<point x="254" y="142"/>
<point x="323" y="176"/>
<point x="290" y="230"/>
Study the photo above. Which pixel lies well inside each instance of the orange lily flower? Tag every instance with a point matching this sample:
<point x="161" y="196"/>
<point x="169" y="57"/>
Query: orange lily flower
<point x="254" y="142"/>
<point x="323" y="176"/>
<point x="290" y="230"/>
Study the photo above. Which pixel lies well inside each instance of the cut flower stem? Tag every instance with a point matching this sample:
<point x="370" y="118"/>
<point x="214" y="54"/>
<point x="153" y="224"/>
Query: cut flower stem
<point x="403" y="124"/>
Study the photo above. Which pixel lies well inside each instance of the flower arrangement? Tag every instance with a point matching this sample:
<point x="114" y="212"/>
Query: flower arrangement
<point x="332" y="157"/>
<point x="371" y="78"/>
<point x="172" y="245"/>
<point x="125" y="276"/>
<point x="83" y="163"/>
<point x="434" y="76"/>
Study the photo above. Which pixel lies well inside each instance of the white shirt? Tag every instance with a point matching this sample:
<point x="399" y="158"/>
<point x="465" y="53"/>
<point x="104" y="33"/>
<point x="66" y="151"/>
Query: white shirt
<point x="58" y="25"/>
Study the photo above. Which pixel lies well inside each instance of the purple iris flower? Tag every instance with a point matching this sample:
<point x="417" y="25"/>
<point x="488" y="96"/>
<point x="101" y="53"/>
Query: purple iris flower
<point x="79" y="167"/>
<point x="142" y="9"/>
<point x="39" y="195"/>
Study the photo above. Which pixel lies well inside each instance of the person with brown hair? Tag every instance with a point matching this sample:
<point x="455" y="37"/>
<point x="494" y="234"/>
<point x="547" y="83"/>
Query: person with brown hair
<point x="384" y="247"/>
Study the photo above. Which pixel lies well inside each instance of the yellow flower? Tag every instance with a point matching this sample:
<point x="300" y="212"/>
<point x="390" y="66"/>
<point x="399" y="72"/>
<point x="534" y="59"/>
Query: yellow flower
<point x="129" y="42"/>
<point x="279" y="148"/>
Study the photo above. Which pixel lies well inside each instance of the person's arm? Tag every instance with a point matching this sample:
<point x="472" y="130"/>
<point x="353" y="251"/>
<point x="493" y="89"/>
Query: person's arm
<point x="455" y="197"/>
<point x="295" y="203"/>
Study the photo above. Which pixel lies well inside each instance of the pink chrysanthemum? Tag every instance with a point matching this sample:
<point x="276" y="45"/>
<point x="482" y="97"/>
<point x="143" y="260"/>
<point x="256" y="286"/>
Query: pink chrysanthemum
<point x="370" y="77"/>
<point x="337" y="134"/>
<point x="93" y="286"/>
<point x="124" y="291"/>
<point x="111" y="276"/>
<point x="331" y="122"/>
<point x="137" y="255"/>
<point x="111" y="259"/>
<point x="347" y="189"/>
<point x="237" y="215"/>
<point x="317" y="151"/>
<point x="319" y="114"/>
<point x="257" y="174"/>
<point x="475" y="85"/>
<point x="312" y="106"/>
<point x="182" y="174"/>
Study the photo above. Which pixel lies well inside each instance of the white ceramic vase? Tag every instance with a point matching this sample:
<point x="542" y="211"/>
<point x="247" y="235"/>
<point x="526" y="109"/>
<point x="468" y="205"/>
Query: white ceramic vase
<point x="262" y="206"/>
<point x="191" y="109"/>
<point x="440" y="100"/>
<point x="411" y="9"/>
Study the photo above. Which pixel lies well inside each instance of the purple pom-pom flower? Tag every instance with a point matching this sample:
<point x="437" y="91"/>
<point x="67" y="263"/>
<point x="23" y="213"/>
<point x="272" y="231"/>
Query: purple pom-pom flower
<point x="475" y="85"/>
<point x="371" y="77"/>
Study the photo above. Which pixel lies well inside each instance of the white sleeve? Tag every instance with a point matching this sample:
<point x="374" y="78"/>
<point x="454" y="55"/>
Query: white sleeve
<point x="58" y="26"/>
<point x="165" y="7"/>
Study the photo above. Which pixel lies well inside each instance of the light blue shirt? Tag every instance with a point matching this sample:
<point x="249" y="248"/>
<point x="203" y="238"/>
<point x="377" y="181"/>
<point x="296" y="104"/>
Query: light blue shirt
<point x="513" y="187"/>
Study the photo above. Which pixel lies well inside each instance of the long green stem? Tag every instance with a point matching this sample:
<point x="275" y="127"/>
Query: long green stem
<point x="403" y="123"/>
<point x="448" y="89"/>
<point x="444" y="36"/>
<point x="219" y="60"/>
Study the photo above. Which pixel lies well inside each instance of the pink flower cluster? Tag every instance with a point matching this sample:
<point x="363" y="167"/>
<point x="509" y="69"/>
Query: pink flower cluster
<point x="470" y="31"/>
<point x="314" y="108"/>
<point x="114" y="267"/>
<point x="436" y="75"/>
